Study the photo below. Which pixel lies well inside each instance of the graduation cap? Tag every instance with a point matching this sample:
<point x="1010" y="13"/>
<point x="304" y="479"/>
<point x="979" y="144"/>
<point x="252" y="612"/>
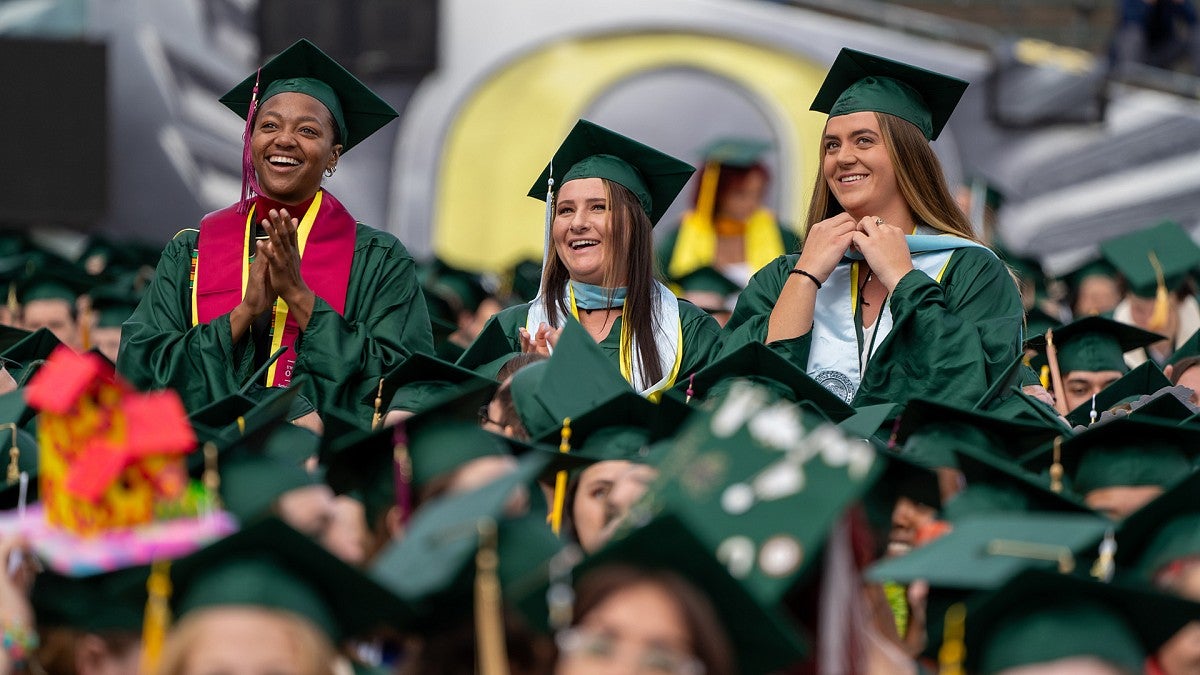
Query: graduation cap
<point x="738" y="486"/>
<point x="708" y="289"/>
<point x="259" y="468"/>
<point x="868" y="421"/>
<point x="902" y="477"/>
<point x="422" y="379"/>
<point x="464" y="290"/>
<point x="859" y="82"/>
<point x="591" y="151"/>
<point x="740" y="153"/>
<point x="625" y="427"/>
<point x="546" y="392"/>
<point x="54" y="279"/>
<point x="757" y="362"/>
<point x="271" y="565"/>
<point x="433" y="567"/>
<point x="526" y="279"/>
<point x="998" y="484"/>
<point x="1143" y="380"/>
<point x="239" y="414"/>
<point x="1041" y="617"/>
<point x="1125" y="451"/>
<point x="1189" y="348"/>
<point x="1163" y="531"/>
<point x="305" y="69"/>
<point x="1158" y="257"/>
<point x="112" y="304"/>
<point x="100" y="603"/>
<point x="763" y="639"/>
<point x="1096" y="343"/>
<point x="1094" y="268"/>
<point x="936" y="430"/>
<point x="30" y="352"/>
<point x="490" y="350"/>
<point x="447" y="435"/>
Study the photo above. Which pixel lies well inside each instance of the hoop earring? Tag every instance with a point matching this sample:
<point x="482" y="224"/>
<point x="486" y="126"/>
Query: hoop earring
<point x="329" y="171"/>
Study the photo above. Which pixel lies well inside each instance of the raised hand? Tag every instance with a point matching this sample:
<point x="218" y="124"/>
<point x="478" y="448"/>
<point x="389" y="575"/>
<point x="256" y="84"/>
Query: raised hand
<point x="886" y="250"/>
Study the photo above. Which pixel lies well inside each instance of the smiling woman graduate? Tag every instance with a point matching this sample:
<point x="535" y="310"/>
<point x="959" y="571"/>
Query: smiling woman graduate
<point x="606" y="192"/>
<point x="287" y="266"/>
<point x="892" y="296"/>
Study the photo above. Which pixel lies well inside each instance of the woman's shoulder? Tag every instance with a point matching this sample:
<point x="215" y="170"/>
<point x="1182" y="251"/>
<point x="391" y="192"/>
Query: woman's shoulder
<point x="366" y="237"/>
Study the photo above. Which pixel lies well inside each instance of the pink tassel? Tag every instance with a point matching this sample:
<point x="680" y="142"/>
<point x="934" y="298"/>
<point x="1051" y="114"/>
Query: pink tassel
<point x="690" y="389"/>
<point x="249" y="180"/>
<point x="402" y="472"/>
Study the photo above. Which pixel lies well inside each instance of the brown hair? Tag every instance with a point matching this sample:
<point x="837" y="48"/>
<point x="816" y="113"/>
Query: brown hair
<point x="919" y="175"/>
<point x="1182" y="366"/>
<point x="709" y="639"/>
<point x="313" y="650"/>
<point x="631" y="230"/>
<point x="56" y="652"/>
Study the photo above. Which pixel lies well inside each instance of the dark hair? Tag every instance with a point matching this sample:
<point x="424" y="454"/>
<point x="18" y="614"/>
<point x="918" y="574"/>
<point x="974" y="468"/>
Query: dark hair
<point x="517" y="362"/>
<point x="630" y="226"/>
<point x="709" y="639"/>
<point x="509" y="416"/>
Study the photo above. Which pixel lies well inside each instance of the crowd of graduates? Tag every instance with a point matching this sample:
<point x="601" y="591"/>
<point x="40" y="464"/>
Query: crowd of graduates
<point x="582" y="466"/>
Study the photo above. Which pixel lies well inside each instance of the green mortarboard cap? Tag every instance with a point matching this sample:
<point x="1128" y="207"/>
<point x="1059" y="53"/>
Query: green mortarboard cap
<point x="304" y="68"/>
<point x="526" y="279"/>
<point x="1165" y="405"/>
<point x="1189" y="348"/>
<point x="591" y="151"/>
<point x="982" y="551"/>
<point x="271" y="565"/>
<point x="10" y="335"/>
<point x="736" y="485"/>
<point x="626" y="427"/>
<point x="364" y="464"/>
<point x="1039" y="617"/>
<point x="257" y="470"/>
<point x="1163" y="531"/>
<point x="448" y="435"/>
<point x="218" y="421"/>
<point x="547" y="391"/>
<point x="490" y="350"/>
<point x="719" y="290"/>
<point x="739" y="153"/>
<point x="1143" y="380"/>
<point x="997" y="484"/>
<point x="1000" y="391"/>
<point x="859" y="82"/>
<point x="763" y="639"/>
<point x="30" y="352"/>
<point x="759" y="363"/>
<point x="433" y="567"/>
<point x="868" y="421"/>
<point x="53" y="280"/>
<point x="935" y="430"/>
<point x="112" y="601"/>
<point x="902" y="477"/>
<point x="1124" y="451"/>
<point x="462" y="288"/>
<point x="1177" y="254"/>
<point x="1096" y="343"/>
<point x="1026" y="269"/>
<point x="1094" y="268"/>
<point x="422" y="379"/>
<point x="112" y="305"/>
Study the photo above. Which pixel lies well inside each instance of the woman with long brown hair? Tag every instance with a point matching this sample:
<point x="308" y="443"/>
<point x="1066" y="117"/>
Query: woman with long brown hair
<point x="892" y="296"/>
<point x="604" y="194"/>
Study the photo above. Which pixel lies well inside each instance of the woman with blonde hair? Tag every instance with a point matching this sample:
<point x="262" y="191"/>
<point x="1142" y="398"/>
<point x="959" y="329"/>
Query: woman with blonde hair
<point x="892" y="296"/>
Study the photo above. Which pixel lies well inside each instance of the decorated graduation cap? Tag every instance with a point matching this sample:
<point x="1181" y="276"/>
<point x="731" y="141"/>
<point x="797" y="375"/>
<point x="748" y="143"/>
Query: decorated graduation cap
<point x="738" y="475"/>
<point x="1125" y="451"/>
<point x="271" y="565"/>
<point x="546" y="392"/>
<point x="1041" y="617"/>
<point x="1096" y="343"/>
<point x="759" y="363"/>
<point x="433" y="568"/>
<point x="1160" y="257"/>
<point x="763" y="639"/>
<point x="422" y="379"/>
<point x="591" y="151"/>
<point x="357" y="111"/>
<point x="1141" y="381"/>
<point x="860" y="82"/>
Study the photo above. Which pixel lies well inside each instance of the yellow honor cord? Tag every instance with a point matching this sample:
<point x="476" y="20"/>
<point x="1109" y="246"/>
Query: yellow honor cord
<point x="560" y="480"/>
<point x="281" y="308"/>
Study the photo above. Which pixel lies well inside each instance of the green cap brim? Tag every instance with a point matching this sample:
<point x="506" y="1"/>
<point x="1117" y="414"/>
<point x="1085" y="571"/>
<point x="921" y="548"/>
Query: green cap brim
<point x="1145" y="379"/>
<point x="1175" y="250"/>
<point x="740" y="153"/>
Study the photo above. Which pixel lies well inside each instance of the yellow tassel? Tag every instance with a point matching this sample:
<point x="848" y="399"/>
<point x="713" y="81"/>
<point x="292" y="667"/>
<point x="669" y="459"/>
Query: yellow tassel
<point x="158" y="615"/>
<point x="489" y="617"/>
<point x="241" y="422"/>
<point x="1056" y="469"/>
<point x="560" y="480"/>
<point x="14" y="307"/>
<point x="706" y="200"/>
<point x="1162" y="299"/>
<point x="85" y="329"/>
<point x="377" y="419"/>
<point x="953" y="650"/>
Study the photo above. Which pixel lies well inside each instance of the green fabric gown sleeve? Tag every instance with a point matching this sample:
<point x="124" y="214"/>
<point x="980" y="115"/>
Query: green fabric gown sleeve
<point x="664" y="249"/>
<point x="160" y="348"/>
<point x="791" y="240"/>
<point x="750" y="317"/>
<point x="949" y="341"/>
<point x="701" y="339"/>
<point x="340" y="358"/>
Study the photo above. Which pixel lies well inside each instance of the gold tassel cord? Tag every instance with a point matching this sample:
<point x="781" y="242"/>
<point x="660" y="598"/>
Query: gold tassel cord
<point x="377" y="419"/>
<point x="1056" y="467"/>
<point x="1060" y="395"/>
<point x="1033" y="551"/>
<point x="158" y="615"/>
<point x="1162" y="299"/>
<point x="560" y="480"/>
<point x="489" y="618"/>
<point x="953" y="651"/>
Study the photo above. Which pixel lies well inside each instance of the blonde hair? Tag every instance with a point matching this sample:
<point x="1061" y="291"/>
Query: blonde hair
<point x="312" y="649"/>
<point x="918" y="174"/>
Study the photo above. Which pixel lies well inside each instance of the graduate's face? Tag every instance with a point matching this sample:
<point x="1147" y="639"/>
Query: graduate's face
<point x="235" y="640"/>
<point x="583" y="233"/>
<point x="53" y="315"/>
<point x="292" y="145"/>
<point x="603" y="497"/>
<point x="1081" y="385"/>
<point x="857" y="167"/>
<point x="638" y="629"/>
<point x="741" y="199"/>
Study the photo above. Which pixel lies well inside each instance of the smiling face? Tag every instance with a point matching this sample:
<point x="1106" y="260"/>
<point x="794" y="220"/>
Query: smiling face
<point x="292" y="146"/>
<point x="583" y="233"/>
<point x="858" y="169"/>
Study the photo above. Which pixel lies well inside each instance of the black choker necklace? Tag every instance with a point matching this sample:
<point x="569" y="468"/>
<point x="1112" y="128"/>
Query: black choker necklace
<point x="597" y="309"/>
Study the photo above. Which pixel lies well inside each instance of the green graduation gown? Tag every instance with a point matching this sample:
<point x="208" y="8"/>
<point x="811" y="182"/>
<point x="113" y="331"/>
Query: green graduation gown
<point x="340" y="358"/>
<point x="948" y="342"/>
<point x="701" y="335"/>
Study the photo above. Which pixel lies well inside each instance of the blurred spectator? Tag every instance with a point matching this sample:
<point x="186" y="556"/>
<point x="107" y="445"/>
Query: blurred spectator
<point x="1158" y="33"/>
